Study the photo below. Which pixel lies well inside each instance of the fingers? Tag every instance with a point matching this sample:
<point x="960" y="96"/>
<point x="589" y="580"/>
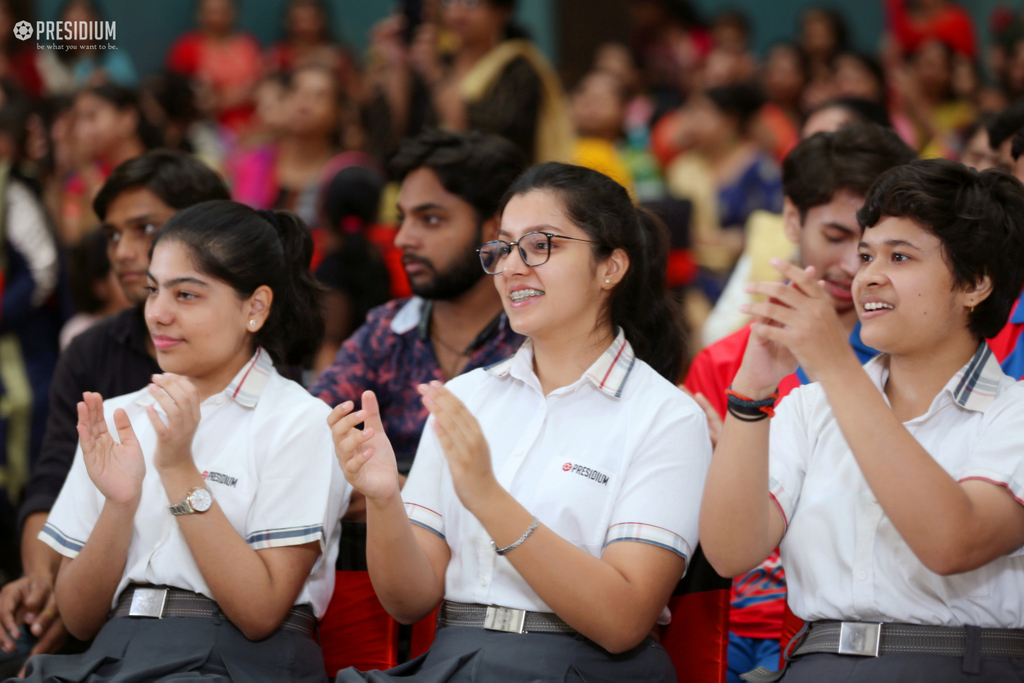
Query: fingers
<point x="779" y="291"/>
<point x="783" y="315"/>
<point x="41" y="621"/>
<point x="125" y="433"/>
<point x="804" y="279"/>
<point x="182" y="392"/>
<point x="52" y="640"/>
<point x="713" y="418"/>
<point x="448" y="409"/>
<point x="339" y="412"/>
<point x="372" y="411"/>
<point x="11" y="601"/>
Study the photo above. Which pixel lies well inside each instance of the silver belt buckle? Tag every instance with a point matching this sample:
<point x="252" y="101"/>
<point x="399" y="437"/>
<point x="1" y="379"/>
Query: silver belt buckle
<point x="505" y="619"/>
<point x="148" y="602"/>
<point x="859" y="639"/>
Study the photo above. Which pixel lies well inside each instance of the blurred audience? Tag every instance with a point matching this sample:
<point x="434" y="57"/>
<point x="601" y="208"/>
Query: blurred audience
<point x="95" y="290"/>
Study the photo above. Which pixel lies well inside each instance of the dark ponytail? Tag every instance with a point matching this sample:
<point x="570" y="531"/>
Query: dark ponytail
<point x="248" y="249"/>
<point x="639" y="304"/>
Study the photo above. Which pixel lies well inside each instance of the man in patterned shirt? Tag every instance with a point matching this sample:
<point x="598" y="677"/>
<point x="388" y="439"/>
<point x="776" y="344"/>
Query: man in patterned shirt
<point x="451" y="185"/>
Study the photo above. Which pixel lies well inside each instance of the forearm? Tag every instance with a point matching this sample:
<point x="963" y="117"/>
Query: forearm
<point x="37" y="558"/>
<point x="929" y="509"/>
<point x="233" y="571"/>
<point x="406" y="582"/>
<point x="86" y="585"/>
<point x="567" y="578"/>
<point x="736" y="509"/>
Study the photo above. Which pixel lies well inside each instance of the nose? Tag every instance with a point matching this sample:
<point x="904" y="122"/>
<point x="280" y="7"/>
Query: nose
<point x="850" y="263"/>
<point x="871" y="274"/>
<point x="157" y="310"/>
<point x="514" y="263"/>
<point x="406" y="238"/>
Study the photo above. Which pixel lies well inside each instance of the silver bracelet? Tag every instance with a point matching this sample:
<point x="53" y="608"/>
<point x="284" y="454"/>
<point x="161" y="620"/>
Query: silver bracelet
<point x="510" y="548"/>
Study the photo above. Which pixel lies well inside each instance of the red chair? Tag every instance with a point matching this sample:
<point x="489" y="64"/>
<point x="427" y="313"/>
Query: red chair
<point x="356" y="631"/>
<point x="697" y="639"/>
<point x="423" y="632"/>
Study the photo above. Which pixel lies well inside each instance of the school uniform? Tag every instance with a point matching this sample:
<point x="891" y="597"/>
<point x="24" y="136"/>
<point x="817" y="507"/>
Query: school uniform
<point x="267" y="455"/>
<point x="620" y="455"/>
<point x="846" y="562"/>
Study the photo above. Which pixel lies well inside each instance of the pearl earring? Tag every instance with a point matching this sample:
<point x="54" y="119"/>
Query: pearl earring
<point x="252" y="323"/>
<point x="607" y="281"/>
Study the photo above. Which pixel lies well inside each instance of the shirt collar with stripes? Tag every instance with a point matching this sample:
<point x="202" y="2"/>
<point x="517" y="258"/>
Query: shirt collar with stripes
<point x="247" y="386"/>
<point x="608" y="373"/>
<point x="973" y="387"/>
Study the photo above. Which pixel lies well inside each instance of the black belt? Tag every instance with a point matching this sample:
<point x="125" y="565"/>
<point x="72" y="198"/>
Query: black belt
<point x="494" y="618"/>
<point x="161" y="601"/>
<point x="875" y="640"/>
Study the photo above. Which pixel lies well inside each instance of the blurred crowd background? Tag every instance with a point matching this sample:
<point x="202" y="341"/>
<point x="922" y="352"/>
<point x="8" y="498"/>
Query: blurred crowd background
<point x="300" y="103"/>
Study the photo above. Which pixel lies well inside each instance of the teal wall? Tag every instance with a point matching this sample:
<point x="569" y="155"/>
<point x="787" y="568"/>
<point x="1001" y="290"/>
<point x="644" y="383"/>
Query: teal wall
<point x="147" y="28"/>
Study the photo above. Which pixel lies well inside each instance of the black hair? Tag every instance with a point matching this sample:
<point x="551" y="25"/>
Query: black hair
<point x="982" y="122"/>
<point x="736" y="19"/>
<point x="639" y="304"/>
<point x="873" y="66"/>
<point x="126" y="98"/>
<point x="475" y="166"/>
<point x="850" y="158"/>
<point x="863" y="110"/>
<point x="353" y="193"/>
<point x="741" y="101"/>
<point x="1018" y="145"/>
<point x="838" y="21"/>
<point x="978" y="217"/>
<point x="176" y="178"/>
<point x="325" y="12"/>
<point x="248" y="249"/>
<point x="14" y="114"/>
<point x="88" y="263"/>
<point x="1006" y="124"/>
<point x="175" y="97"/>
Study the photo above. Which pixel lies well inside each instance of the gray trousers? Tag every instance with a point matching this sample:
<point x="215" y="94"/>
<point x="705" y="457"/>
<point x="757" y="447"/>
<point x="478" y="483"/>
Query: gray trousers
<point x="137" y="650"/>
<point x="909" y="668"/>
<point x="461" y="654"/>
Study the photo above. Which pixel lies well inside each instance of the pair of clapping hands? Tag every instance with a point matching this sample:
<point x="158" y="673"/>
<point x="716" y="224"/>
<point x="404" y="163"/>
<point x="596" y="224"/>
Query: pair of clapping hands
<point x="796" y="327"/>
<point x="368" y="461"/>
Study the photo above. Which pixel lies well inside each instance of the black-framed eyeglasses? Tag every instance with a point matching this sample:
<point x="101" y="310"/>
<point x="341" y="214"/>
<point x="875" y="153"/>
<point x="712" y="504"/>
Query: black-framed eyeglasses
<point x="534" y="248"/>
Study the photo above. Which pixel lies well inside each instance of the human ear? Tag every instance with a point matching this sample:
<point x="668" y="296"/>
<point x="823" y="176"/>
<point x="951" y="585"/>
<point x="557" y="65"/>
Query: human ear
<point x="791" y="221"/>
<point x="614" y="268"/>
<point x="489" y="229"/>
<point x="977" y="293"/>
<point x="258" y="307"/>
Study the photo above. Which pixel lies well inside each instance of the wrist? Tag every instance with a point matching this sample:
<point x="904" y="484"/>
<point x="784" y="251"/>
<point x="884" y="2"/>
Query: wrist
<point x="751" y="390"/>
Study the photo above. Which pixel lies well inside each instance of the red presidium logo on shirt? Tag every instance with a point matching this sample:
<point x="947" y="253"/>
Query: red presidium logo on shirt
<point x="586" y="472"/>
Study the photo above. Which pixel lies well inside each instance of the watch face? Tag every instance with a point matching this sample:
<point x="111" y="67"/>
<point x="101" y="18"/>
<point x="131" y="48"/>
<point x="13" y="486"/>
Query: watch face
<point x="200" y="500"/>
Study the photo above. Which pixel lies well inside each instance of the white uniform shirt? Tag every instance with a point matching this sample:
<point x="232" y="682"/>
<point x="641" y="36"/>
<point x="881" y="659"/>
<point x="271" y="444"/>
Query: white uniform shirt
<point x="619" y="455"/>
<point x="266" y="452"/>
<point x="843" y="557"/>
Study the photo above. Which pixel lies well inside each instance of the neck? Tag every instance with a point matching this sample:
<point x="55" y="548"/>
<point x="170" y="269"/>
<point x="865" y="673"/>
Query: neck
<point x="560" y="363"/>
<point x="458" y="321"/>
<point x="916" y="379"/>
<point x="471" y="53"/>
<point x="216" y="382"/>
<point x="304" y="148"/>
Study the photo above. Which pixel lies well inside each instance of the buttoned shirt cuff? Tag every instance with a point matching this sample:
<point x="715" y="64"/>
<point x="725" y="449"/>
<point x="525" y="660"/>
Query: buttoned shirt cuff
<point x="648" y="533"/>
<point x="60" y="541"/>
<point x="426" y="518"/>
<point x="280" y="538"/>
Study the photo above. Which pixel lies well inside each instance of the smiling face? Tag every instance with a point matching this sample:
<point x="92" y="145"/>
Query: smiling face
<point x="561" y="301"/>
<point x="133" y="217"/>
<point x="200" y="325"/>
<point x="905" y="292"/>
<point x="827" y="238"/>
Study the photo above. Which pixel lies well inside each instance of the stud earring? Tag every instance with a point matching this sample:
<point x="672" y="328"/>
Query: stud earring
<point x="252" y="323"/>
<point x="607" y="281"/>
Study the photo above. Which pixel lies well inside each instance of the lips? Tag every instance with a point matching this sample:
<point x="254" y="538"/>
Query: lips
<point x="163" y="342"/>
<point x="839" y="291"/>
<point x="415" y="266"/>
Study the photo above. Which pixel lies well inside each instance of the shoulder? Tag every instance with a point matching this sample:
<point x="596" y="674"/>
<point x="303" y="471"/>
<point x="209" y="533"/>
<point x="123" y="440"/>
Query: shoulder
<point x="648" y="392"/>
<point x="381" y="317"/>
<point x="287" y="403"/>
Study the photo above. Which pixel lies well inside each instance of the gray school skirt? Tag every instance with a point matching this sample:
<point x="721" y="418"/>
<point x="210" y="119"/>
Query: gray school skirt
<point x="133" y="649"/>
<point x="462" y="654"/>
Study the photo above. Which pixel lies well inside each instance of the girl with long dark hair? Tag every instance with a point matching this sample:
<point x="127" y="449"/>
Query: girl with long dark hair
<point x="210" y="522"/>
<point x="550" y="497"/>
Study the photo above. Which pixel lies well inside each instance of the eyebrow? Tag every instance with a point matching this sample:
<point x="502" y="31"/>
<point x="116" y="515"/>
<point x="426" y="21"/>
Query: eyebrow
<point x="893" y="244"/>
<point x="179" y="281"/>
<point x="145" y="218"/>
<point x="536" y="228"/>
<point x="429" y="206"/>
<point x="839" y="226"/>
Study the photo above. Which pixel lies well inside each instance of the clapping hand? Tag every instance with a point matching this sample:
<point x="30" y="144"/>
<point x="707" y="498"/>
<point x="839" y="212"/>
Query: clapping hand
<point x="117" y="469"/>
<point x="365" y="455"/>
<point x="464" y="445"/>
<point x="180" y="400"/>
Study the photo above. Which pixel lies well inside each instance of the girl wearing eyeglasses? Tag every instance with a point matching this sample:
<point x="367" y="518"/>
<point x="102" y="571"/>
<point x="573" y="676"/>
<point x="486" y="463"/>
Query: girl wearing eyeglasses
<point x="552" y="506"/>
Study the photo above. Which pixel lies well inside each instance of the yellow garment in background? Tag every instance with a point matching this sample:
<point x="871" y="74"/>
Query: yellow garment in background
<point x="689" y="177"/>
<point x="555" y="135"/>
<point x="603" y="157"/>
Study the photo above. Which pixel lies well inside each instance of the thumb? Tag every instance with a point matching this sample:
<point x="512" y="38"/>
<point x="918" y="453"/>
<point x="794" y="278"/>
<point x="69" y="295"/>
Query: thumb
<point x="124" y="428"/>
<point x="372" y="411"/>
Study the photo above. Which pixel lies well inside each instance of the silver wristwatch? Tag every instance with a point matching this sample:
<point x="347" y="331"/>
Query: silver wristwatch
<point x="198" y="499"/>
